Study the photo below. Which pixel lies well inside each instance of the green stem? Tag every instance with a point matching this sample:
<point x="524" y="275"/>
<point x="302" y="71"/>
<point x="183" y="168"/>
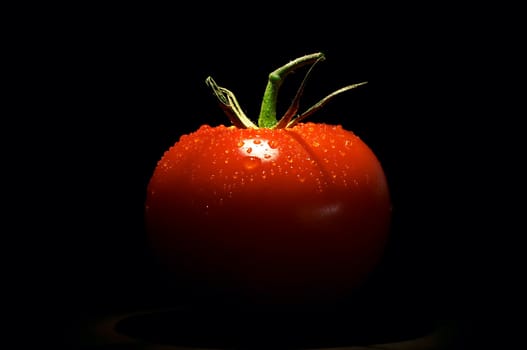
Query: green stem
<point x="267" y="117"/>
<point x="230" y="105"/>
<point x="320" y="104"/>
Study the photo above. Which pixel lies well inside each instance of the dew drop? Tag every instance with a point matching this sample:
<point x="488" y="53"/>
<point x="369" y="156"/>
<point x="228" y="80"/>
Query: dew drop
<point x="315" y="144"/>
<point x="273" y="144"/>
<point x="267" y="156"/>
<point x="257" y="141"/>
<point x="251" y="163"/>
<point x="240" y="143"/>
<point x="249" y="150"/>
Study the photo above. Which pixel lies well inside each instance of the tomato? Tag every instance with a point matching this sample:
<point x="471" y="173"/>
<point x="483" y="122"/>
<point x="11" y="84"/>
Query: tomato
<point x="297" y="213"/>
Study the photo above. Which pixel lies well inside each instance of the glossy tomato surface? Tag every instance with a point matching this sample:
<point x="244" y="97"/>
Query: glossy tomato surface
<point x="270" y="215"/>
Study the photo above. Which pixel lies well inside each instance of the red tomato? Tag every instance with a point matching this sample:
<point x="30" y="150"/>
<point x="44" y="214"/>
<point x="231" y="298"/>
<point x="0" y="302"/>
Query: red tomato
<point x="291" y="214"/>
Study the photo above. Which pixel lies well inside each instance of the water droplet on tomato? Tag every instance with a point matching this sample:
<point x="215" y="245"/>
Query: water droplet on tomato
<point x="259" y="148"/>
<point x="273" y="144"/>
<point x="251" y="163"/>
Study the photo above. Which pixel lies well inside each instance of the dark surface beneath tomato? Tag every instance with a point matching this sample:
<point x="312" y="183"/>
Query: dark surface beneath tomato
<point x="199" y="328"/>
<point x="305" y="331"/>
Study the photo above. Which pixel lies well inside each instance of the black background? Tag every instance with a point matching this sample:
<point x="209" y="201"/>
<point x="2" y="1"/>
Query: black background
<point x="112" y="91"/>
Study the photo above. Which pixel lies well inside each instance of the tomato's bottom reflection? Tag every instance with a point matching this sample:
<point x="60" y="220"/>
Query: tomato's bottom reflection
<point x="294" y="330"/>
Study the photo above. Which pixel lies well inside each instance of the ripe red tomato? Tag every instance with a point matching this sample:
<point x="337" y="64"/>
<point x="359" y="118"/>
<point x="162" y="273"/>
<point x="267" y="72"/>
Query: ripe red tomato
<point x="270" y="214"/>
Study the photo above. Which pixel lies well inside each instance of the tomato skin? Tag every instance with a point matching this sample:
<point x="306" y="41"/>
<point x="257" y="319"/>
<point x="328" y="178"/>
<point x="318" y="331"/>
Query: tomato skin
<point x="270" y="215"/>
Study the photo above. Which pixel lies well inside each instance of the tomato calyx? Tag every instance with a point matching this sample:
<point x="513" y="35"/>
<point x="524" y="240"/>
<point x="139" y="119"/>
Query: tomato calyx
<point x="267" y="117"/>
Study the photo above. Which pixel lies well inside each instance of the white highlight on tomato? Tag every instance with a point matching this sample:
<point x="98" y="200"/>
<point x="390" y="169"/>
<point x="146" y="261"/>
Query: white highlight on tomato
<point x="259" y="148"/>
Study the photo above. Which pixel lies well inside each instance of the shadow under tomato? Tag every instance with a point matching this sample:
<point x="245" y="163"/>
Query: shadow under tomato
<point x="284" y="330"/>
